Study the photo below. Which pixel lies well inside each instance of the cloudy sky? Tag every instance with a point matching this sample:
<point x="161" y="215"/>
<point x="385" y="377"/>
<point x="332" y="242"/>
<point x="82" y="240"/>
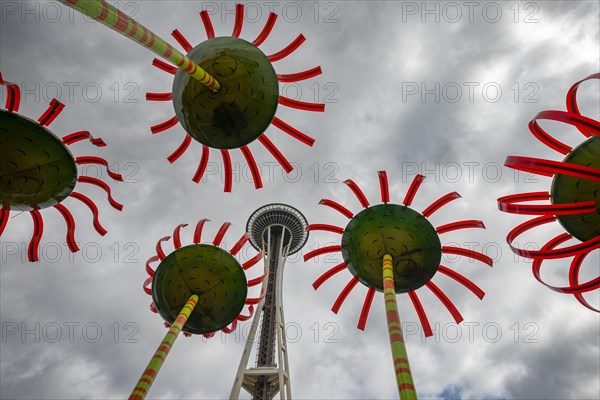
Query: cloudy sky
<point x="442" y="89"/>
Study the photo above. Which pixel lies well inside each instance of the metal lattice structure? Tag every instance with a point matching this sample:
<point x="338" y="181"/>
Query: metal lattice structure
<point x="277" y="230"/>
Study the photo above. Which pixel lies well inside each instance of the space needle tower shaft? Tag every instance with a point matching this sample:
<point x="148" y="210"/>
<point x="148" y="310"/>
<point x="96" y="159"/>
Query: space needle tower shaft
<point x="277" y="230"/>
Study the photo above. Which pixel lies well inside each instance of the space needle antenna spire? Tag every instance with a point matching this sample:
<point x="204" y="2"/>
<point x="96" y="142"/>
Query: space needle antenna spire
<point x="278" y="230"/>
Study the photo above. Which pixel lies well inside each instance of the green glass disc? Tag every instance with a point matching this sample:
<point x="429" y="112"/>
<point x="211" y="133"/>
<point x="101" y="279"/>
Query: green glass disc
<point x="570" y="189"/>
<point x="211" y="273"/>
<point x="245" y="104"/>
<point x="399" y="231"/>
<point x="36" y="168"/>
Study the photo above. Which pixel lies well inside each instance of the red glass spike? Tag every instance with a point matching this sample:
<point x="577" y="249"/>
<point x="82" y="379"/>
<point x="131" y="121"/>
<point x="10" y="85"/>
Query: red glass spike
<point x="357" y="192"/>
<point x="293" y="132"/>
<point x="240" y="243"/>
<point x="177" y="236"/>
<point x="70" y="227"/>
<point x="202" y="164"/>
<point x="439" y="203"/>
<point x="572" y="106"/>
<point x="164" y="66"/>
<point x="527" y="225"/>
<point x="253" y="167"/>
<point x="210" y="32"/>
<point x="462" y="280"/>
<point x="198" y="230"/>
<point x="300" y="76"/>
<point x="364" y="313"/>
<point x="239" y="20"/>
<point x="183" y="42"/>
<point x="383" y="186"/>
<point x="446" y="301"/>
<point x="574" y="279"/>
<point x="590" y="125"/>
<point x="149" y="268"/>
<point x="344" y="294"/>
<point x="421" y="313"/>
<point x="253" y="261"/>
<point x="301" y="105"/>
<point x="221" y="233"/>
<point x="338" y="207"/>
<point x="548" y="168"/>
<point x="574" y="287"/>
<point x="243" y="317"/>
<point x="101" y="184"/>
<point x="234" y="325"/>
<point x="505" y="201"/>
<point x="227" y="170"/>
<point x="53" y="111"/>
<point x="150" y="96"/>
<point x="13" y="98"/>
<point x="465" y="224"/>
<point x="323" y="278"/>
<point x="289" y="49"/>
<point x="147" y="286"/>
<point x="554" y="253"/>
<point x="285" y="164"/>
<point x="322" y="250"/>
<point x="185" y="144"/>
<point x="548" y="140"/>
<point x="575" y="250"/>
<point x="468" y="253"/>
<point x="256" y="300"/>
<point x="159" y="251"/>
<point x="90" y="204"/>
<point x="260" y="279"/>
<point x="4" y="217"/>
<point x="82" y="135"/>
<point x="264" y="34"/>
<point x="508" y="204"/>
<point x="413" y="189"/>
<point x="325" y="227"/>
<point x="13" y="95"/>
<point x="38" y="231"/>
<point x="163" y="126"/>
<point x="98" y="161"/>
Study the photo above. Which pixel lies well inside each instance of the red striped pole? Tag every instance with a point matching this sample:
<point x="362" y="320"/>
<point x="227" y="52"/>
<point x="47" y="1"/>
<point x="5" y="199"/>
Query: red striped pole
<point x="103" y="12"/>
<point x="143" y="386"/>
<point x="406" y="387"/>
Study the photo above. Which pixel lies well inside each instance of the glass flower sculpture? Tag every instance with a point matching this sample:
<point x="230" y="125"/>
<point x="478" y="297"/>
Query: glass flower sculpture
<point x="199" y="289"/>
<point x="245" y="105"/>
<point x="38" y="171"/>
<point x="394" y="249"/>
<point x="574" y="197"/>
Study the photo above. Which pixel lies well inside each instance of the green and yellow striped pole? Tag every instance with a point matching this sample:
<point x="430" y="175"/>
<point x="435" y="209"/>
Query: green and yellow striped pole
<point x="143" y="386"/>
<point x="406" y="387"/>
<point x="103" y="12"/>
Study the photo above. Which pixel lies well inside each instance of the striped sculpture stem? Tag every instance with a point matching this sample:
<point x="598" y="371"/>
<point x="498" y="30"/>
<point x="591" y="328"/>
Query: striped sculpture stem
<point x="103" y="12"/>
<point x="406" y="387"/>
<point x="143" y="386"/>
